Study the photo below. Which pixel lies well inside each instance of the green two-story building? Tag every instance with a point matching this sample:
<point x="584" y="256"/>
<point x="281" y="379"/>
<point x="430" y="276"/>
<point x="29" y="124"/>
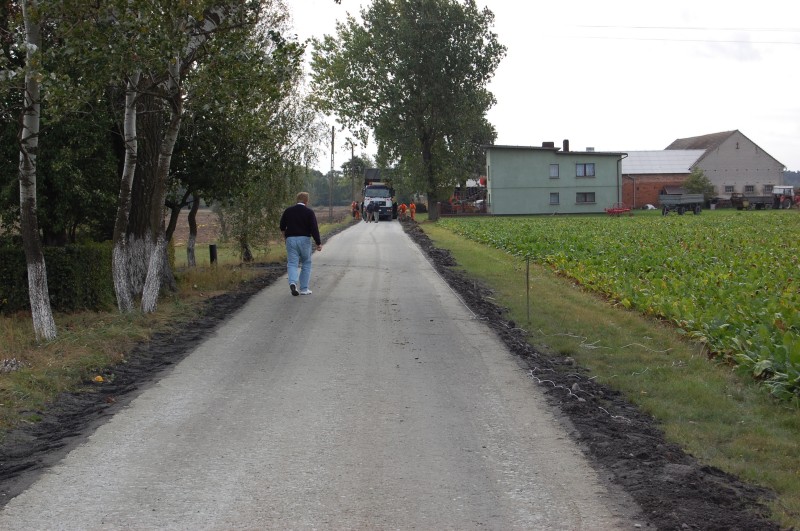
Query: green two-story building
<point x="551" y="180"/>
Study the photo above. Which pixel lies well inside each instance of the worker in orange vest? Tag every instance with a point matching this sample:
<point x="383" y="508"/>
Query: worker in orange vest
<point x="413" y="208"/>
<point x="402" y="208"/>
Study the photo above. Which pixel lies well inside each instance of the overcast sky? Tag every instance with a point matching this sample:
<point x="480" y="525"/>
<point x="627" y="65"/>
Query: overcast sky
<point x="625" y="75"/>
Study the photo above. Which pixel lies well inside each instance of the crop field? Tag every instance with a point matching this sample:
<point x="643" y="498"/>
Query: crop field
<point x="728" y="279"/>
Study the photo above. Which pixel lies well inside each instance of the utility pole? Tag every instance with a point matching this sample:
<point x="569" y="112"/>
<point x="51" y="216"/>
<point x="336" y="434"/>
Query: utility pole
<point x="330" y="180"/>
<point x="352" y="170"/>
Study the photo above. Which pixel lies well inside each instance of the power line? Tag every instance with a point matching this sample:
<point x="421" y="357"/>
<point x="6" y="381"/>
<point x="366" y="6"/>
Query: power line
<point x="697" y="28"/>
<point x="687" y="40"/>
<point x="690" y="28"/>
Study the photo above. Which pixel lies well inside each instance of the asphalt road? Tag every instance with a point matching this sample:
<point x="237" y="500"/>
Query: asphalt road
<point x="378" y="402"/>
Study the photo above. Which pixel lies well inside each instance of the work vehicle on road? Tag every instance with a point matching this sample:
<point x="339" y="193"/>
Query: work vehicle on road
<point x="379" y="193"/>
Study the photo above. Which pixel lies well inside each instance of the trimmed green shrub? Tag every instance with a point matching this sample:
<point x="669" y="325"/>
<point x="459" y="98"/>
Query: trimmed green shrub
<point x="13" y="280"/>
<point x="78" y="278"/>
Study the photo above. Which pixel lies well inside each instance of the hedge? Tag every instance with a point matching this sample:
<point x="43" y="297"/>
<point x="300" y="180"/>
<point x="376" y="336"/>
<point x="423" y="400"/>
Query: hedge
<point x="78" y="278"/>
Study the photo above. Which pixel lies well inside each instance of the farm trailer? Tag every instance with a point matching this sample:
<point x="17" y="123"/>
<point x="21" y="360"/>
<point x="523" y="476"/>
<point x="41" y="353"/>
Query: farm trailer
<point x="681" y="203"/>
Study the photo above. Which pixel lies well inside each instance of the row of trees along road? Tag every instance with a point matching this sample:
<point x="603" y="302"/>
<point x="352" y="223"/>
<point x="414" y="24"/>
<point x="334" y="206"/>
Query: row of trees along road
<point x="414" y="74"/>
<point x="132" y="105"/>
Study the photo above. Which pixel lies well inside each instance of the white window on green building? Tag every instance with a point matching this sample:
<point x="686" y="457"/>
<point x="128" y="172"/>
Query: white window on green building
<point x="584" y="198"/>
<point x="584" y="170"/>
<point x="554" y="171"/>
<point x="554" y="200"/>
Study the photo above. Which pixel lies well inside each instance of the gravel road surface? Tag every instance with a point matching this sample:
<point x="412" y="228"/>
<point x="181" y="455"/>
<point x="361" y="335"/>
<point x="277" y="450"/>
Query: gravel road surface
<point x="377" y="402"/>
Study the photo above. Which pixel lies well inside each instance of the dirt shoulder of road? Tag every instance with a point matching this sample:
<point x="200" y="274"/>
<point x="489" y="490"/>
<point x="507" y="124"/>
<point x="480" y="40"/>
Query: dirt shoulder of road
<point x="627" y="447"/>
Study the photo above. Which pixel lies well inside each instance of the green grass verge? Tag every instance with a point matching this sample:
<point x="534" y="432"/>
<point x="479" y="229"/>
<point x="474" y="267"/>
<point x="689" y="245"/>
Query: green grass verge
<point x="721" y="418"/>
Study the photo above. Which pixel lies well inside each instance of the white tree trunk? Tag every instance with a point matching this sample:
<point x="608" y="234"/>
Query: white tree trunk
<point x="152" y="285"/>
<point x="44" y="325"/>
<point x="121" y="254"/>
<point x="119" y="272"/>
<point x="138" y="261"/>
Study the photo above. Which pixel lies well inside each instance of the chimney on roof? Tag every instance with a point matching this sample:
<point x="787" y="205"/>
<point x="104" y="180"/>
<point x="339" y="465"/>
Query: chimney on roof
<point x="548" y="144"/>
<point x="566" y="145"/>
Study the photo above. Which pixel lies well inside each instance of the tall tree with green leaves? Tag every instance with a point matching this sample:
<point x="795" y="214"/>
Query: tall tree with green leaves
<point x="166" y="41"/>
<point x="244" y="140"/>
<point x="353" y="175"/>
<point x="698" y="183"/>
<point x="414" y="74"/>
<point x="143" y="51"/>
<point x="191" y="34"/>
<point x="34" y="33"/>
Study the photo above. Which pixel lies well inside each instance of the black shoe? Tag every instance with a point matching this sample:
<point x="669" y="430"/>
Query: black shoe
<point x="294" y="290"/>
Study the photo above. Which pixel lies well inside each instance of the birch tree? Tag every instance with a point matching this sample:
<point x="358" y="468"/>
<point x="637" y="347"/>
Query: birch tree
<point x="76" y="156"/>
<point x="151" y="48"/>
<point x="144" y="249"/>
<point x="45" y="79"/>
<point x="43" y="323"/>
<point x="120" y="252"/>
<point x="248" y="139"/>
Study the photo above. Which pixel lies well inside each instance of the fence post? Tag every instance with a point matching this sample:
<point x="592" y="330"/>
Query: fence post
<point x="213" y="253"/>
<point x="528" y="286"/>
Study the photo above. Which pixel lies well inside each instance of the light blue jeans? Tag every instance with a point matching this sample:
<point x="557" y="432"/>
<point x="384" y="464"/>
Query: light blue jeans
<point x="298" y="254"/>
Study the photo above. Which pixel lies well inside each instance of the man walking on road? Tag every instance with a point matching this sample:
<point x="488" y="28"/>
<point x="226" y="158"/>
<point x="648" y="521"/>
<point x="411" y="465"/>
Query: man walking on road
<point x="298" y="225"/>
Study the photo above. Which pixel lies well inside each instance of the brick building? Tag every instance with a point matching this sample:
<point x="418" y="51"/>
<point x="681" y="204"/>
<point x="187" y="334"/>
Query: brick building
<point x="645" y="173"/>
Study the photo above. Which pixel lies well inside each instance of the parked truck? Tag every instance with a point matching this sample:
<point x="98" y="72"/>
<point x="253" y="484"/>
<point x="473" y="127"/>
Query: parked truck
<point x="381" y="194"/>
<point x="677" y="200"/>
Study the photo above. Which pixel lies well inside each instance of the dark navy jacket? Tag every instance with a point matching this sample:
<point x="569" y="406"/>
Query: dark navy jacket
<point x="299" y="220"/>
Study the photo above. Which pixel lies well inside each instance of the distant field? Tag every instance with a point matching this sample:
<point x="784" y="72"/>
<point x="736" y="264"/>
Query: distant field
<point x="208" y="224"/>
<point x="728" y="279"/>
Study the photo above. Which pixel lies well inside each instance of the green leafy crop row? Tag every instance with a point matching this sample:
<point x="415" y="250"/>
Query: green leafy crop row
<point x="729" y="279"/>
